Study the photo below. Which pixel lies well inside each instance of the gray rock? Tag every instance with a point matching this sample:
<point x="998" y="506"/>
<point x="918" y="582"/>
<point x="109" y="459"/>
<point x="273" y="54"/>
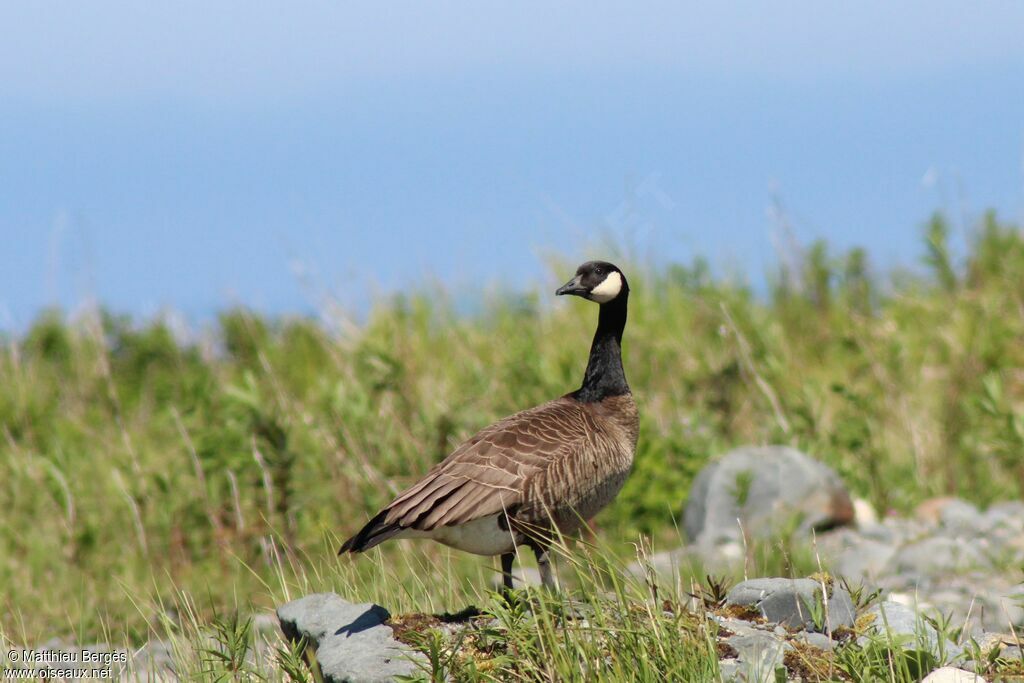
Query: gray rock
<point x="1008" y="541"/>
<point x="987" y="642"/>
<point x="764" y="489"/>
<point x="1010" y="512"/>
<point x="841" y="611"/>
<point x="897" y="618"/>
<point x="351" y="642"/>
<point x="818" y="640"/>
<point x="1011" y="653"/>
<point x="905" y="626"/>
<point x="1001" y="526"/>
<point x="867" y="559"/>
<point x="1004" y="610"/>
<point x="759" y="655"/>
<point x="907" y="582"/>
<point x="1010" y="507"/>
<point x="978" y="601"/>
<point x="789" y="602"/>
<point x="887" y="533"/>
<point x="936" y="556"/>
<point x="901" y="532"/>
<point x="729" y="670"/>
<point x="960" y="517"/>
<point x="831" y="543"/>
<point x="736" y="627"/>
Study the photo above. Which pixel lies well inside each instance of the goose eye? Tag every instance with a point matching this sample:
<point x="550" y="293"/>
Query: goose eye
<point x="599" y="271"/>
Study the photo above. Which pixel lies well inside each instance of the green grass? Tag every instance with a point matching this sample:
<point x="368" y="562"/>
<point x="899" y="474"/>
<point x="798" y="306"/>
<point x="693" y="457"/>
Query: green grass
<point x="142" y="473"/>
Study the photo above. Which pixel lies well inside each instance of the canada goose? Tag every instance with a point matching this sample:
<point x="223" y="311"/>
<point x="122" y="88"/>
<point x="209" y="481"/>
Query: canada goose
<point x="540" y="471"/>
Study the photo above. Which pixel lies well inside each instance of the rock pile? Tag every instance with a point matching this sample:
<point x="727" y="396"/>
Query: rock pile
<point x="951" y="570"/>
<point x="951" y="559"/>
<point x="765" y="628"/>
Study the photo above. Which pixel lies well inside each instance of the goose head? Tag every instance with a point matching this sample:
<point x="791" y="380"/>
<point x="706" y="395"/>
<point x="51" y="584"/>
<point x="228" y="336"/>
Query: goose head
<point x="597" y="281"/>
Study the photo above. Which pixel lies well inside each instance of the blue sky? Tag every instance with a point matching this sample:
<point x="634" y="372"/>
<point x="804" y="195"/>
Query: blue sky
<point x="199" y="155"/>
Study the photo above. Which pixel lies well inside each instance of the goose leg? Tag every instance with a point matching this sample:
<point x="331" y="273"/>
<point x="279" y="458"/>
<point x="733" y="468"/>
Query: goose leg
<point x="547" y="577"/>
<point x="506" y="571"/>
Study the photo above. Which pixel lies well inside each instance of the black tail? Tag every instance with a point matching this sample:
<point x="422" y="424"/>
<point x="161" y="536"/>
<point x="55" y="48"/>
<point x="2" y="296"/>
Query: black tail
<point x="376" y="531"/>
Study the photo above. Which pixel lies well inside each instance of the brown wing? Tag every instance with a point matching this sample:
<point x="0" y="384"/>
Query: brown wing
<point x="493" y="471"/>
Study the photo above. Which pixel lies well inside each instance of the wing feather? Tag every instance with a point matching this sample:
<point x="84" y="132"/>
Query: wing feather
<point x="487" y="474"/>
<point x="425" y="500"/>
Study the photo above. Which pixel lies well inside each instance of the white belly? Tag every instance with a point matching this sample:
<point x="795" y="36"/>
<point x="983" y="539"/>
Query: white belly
<point x="482" y="536"/>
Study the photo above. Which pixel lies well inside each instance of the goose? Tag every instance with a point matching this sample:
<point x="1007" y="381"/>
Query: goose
<point x="535" y="474"/>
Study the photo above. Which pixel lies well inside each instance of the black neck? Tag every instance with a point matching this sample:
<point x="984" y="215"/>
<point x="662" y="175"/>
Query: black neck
<point x="604" y="376"/>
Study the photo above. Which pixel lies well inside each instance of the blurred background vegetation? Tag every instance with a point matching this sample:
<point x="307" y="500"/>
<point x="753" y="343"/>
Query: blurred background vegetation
<point x="136" y="465"/>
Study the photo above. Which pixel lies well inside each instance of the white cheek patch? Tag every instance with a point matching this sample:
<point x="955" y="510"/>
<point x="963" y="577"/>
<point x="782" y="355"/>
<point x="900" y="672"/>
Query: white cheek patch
<point x="608" y="289"/>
